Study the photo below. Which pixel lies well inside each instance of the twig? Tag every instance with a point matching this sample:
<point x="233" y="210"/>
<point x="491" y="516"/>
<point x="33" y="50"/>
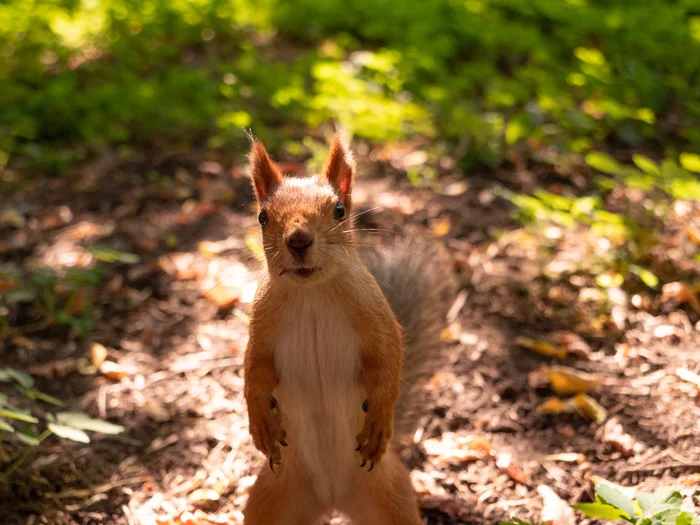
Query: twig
<point x="23" y="457"/>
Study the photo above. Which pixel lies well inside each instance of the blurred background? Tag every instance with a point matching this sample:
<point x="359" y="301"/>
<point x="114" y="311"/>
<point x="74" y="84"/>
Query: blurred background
<point x="553" y="147"/>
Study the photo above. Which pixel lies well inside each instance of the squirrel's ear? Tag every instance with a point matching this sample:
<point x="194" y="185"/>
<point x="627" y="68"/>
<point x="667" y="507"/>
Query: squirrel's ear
<point x="340" y="167"/>
<point x="264" y="173"/>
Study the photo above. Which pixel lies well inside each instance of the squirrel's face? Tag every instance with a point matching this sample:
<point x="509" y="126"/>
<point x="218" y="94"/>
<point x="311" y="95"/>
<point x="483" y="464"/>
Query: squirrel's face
<point x="305" y="221"/>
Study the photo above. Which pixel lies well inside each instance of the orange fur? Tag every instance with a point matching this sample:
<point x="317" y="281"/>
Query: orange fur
<point x="324" y="346"/>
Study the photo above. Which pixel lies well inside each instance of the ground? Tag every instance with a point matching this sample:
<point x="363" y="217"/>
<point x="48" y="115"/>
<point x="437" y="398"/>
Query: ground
<point x="481" y="450"/>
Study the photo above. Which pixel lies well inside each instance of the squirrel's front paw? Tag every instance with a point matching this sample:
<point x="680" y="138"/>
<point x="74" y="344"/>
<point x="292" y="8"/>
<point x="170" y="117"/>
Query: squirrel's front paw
<point x="375" y="435"/>
<point x="266" y="429"/>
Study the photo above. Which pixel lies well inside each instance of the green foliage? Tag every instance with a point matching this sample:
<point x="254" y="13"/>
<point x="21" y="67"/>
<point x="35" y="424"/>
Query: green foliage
<point x="21" y="424"/>
<point x="49" y="299"/>
<point x="661" y="508"/>
<point x="490" y="75"/>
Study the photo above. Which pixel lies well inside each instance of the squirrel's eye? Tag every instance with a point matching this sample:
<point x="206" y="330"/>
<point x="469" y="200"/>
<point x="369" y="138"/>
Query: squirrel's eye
<point x="339" y="211"/>
<point x="262" y="218"/>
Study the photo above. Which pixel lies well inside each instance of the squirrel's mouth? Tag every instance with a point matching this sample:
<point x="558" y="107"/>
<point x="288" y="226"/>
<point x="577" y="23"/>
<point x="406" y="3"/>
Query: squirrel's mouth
<point x="301" y="272"/>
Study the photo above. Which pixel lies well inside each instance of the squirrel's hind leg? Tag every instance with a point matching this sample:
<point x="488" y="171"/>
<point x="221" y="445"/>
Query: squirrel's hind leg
<point x="384" y="496"/>
<point x="277" y="499"/>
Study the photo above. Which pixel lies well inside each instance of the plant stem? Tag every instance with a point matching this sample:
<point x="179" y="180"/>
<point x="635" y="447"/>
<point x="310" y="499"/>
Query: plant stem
<point x="5" y="474"/>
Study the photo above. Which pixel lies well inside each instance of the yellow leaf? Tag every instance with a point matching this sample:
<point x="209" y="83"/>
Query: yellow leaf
<point x="541" y="348"/>
<point x="553" y="405"/>
<point x="98" y="354"/>
<point x="450" y="334"/>
<point x="693" y="235"/>
<point x="566" y="381"/>
<point x="442" y="227"/>
<point x="590" y="408"/>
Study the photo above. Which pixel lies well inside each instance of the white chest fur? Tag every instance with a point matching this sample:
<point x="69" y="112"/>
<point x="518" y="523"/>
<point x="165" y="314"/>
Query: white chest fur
<point x="318" y="361"/>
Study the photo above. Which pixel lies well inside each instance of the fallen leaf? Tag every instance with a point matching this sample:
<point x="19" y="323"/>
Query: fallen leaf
<point x="555" y="510"/>
<point x="541" y="348"/>
<point x="551" y="406"/>
<point x="6" y="285"/>
<point x="12" y="217"/>
<point x="442" y="227"/>
<point x="222" y="295"/>
<point x="98" y="354"/>
<point x="613" y="434"/>
<point x="450" y="334"/>
<point x="505" y="463"/>
<point x="112" y="371"/>
<point x="179" y="266"/>
<point x="211" y="249"/>
<point x="85" y="367"/>
<point x="566" y="381"/>
<point x="693" y="235"/>
<point x="574" y="343"/>
<point x="451" y="447"/>
<point x="590" y="408"/>
<point x="683" y="293"/>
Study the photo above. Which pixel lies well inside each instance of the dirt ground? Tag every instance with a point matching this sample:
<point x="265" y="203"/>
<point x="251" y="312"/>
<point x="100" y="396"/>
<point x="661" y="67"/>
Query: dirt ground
<point x="481" y="449"/>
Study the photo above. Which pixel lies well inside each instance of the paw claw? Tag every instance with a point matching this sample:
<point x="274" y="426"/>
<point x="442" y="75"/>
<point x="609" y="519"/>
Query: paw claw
<point x="364" y="462"/>
<point x="272" y="468"/>
<point x="371" y="466"/>
<point x="284" y="443"/>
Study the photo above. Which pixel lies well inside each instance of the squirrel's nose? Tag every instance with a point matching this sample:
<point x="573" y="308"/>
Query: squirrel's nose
<point x="299" y="242"/>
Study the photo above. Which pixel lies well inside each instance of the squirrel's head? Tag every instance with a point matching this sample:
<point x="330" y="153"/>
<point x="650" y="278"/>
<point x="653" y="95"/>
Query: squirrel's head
<point x="305" y="221"/>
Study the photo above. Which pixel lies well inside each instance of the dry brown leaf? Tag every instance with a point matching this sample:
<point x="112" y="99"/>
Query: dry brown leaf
<point x="693" y="235"/>
<point x="113" y="371"/>
<point x="98" y="354"/>
<point x="574" y="343"/>
<point x="567" y="381"/>
<point x="613" y="434"/>
<point x="6" y="285"/>
<point x="179" y="266"/>
<point x="541" y="347"/>
<point x="555" y="510"/>
<point x="683" y="293"/>
<point x="223" y="296"/>
<point x="452" y="447"/>
<point x="505" y="463"/>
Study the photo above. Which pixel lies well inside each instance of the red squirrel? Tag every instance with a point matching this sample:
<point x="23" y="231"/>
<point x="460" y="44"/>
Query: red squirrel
<point x="323" y="366"/>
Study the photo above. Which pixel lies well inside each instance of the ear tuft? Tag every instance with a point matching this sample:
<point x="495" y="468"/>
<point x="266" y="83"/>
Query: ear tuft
<point x="339" y="169"/>
<point x="264" y="173"/>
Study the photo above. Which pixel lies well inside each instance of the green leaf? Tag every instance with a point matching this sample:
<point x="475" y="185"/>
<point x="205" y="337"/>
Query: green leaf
<point x="645" y="500"/>
<point x="616" y="498"/>
<point x="3" y="399"/>
<point x="647" y="165"/>
<point x="600" y="510"/>
<point x="647" y="277"/>
<point x="85" y="422"/>
<point x="5" y="426"/>
<point x="22" y="378"/>
<point x="20" y="416"/>
<point x="41" y="396"/>
<point x="684" y="519"/>
<point x="71" y="433"/>
<point x="28" y="437"/>
<point x="604" y="162"/>
<point x="105" y="253"/>
<point x="690" y="161"/>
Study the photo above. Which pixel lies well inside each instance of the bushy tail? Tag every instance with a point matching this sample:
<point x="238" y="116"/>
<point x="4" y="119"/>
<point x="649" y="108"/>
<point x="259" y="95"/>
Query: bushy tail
<point x="417" y="280"/>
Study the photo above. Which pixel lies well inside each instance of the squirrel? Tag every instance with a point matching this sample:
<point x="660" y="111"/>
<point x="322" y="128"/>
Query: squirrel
<point x="324" y="362"/>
